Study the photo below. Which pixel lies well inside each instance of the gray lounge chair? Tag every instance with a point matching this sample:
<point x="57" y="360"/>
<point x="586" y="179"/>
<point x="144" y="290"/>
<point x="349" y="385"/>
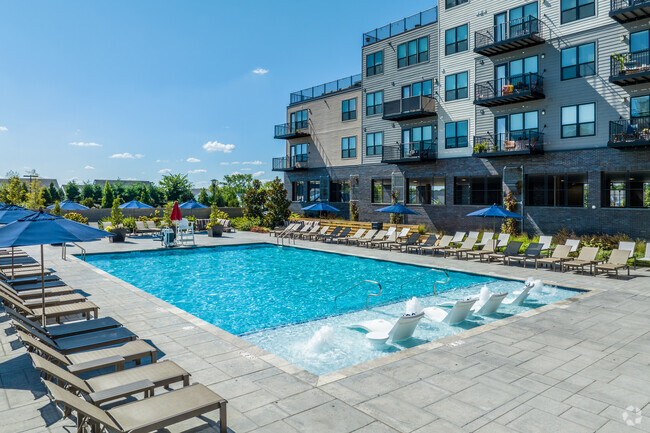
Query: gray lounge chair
<point x="65" y="329"/>
<point x="398" y="245"/>
<point x="37" y="292"/>
<point x="441" y="245"/>
<point x="49" y="300"/>
<point x="488" y="248"/>
<point x="617" y="260"/>
<point x="85" y="308"/>
<point x="560" y="254"/>
<point x="533" y="252"/>
<point x="381" y="234"/>
<point x="367" y="237"/>
<point x="512" y="249"/>
<point x="341" y="235"/>
<point x="466" y="246"/>
<point x="355" y="237"/>
<point x="586" y="257"/>
<point x="334" y="233"/>
<point x="429" y="242"/>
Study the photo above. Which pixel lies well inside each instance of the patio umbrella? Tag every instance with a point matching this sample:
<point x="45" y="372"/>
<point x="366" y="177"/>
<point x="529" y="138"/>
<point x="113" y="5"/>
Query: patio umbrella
<point x="8" y="214"/>
<point x="320" y="207"/>
<point x="494" y="212"/>
<point x="134" y="204"/>
<point x="192" y="204"/>
<point x="398" y="208"/>
<point x="69" y="205"/>
<point x="41" y="228"/>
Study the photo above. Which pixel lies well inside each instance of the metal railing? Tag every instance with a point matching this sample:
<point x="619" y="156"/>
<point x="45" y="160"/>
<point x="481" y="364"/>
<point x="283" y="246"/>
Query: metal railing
<point x="416" y="151"/>
<point x="411" y="105"/>
<point x="509" y="86"/>
<point x="629" y="63"/>
<point x="398" y="27"/>
<point x="324" y="89"/>
<point x="357" y="285"/>
<point x="635" y="129"/>
<point x="521" y="27"/>
<point x="285" y="163"/>
<point x="514" y="141"/>
<point x="418" y="276"/>
<point x="299" y="127"/>
<point x="64" y="251"/>
<point x="616" y="5"/>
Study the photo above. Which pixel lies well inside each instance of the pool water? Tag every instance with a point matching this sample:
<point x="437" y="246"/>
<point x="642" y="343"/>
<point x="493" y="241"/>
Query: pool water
<point x="279" y="297"/>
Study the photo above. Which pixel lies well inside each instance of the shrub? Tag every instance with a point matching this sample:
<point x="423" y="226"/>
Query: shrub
<point x="88" y="202"/>
<point x="129" y="223"/>
<point x="117" y="216"/>
<point x="561" y="237"/>
<point x="76" y="217"/>
<point x="259" y="229"/>
<point x="354" y="212"/>
<point x="215" y="215"/>
<point x="422" y="229"/>
<point x="245" y="224"/>
<point x="56" y="210"/>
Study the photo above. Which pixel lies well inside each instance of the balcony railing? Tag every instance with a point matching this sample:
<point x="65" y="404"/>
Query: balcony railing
<point x="630" y="68"/>
<point x="409" y="108"/>
<point x="629" y="133"/>
<point x="423" y="18"/>
<point x="409" y="152"/>
<point x="508" y="143"/>
<point x="325" y="89"/>
<point x="508" y="90"/>
<point x="625" y="11"/>
<point x="290" y="163"/>
<point x="292" y="130"/>
<point x="514" y="35"/>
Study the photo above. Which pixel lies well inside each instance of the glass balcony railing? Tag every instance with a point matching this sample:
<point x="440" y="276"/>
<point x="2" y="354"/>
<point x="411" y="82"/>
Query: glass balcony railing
<point x="325" y="89"/>
<point x="508" y="143"/>
<point x="420" y="19"/>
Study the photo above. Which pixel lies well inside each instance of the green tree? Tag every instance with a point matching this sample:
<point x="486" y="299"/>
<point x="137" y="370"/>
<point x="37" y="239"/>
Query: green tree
<point x="56" y="210"/>
<point x="87" y="191"/>
<point x="46" y="196"/>
<point x="117" y="216"/>
<point x="157" y="196"/>
<point x="203" y="197"/>
<point x="144" y="196"/>
<point x="72" y="191"/>
<point x="132" y="192"/>
<point x="54" y="193"/>
<point x="108" y="196"/>
<point x="35" y="196"/>
<point x="254" y="200"/>
<point x="88" y="202"/>
<point x="118" y="190"/>
<point x="177" y="187"/>
<point x="239" y="184"/>
<point x="16" y="192"/>
<point x="277" y="204"/>
<point x="98" y="193"/>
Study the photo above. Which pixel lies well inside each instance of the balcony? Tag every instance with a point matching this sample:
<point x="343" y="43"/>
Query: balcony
<point x="625" y="11"/>
<point x="629" y="133"/>
<point x="509" y="90"/>
<point x="325" y="89"/>
<point x="630" y="68"/>
<point x="409" y="152"/>
<point x="514" y="35"/>
<point x="508" y="144"/>
<point x="286" y="131"/>
<point x="409" y="108"/>
<point x="290" y="163"/>
<point x="404" y="25"/>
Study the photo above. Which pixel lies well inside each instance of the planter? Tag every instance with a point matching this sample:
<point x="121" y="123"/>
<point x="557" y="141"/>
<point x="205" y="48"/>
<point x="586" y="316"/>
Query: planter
<point x="120" y="235"/>
<point x="215" y="231"/>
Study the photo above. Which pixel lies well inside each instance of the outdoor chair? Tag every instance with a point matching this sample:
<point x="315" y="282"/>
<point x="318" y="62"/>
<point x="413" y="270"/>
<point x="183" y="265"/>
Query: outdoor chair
<point x="628" y="246"/>
<point x="431" y="241"/>
<point x="466" y="246"/>
<point x="490" y="305"/>
<point x="458" y="313"/>
<point x="474" y="235"/>
<point x="502" y="240"/>
<point x="185" y="231"/>
<point x="312" y="236"/>
<point x="487" y="236"/>
<point x="380" y="330"/>
<point x="573" y="243"/>
<point x="617" y="260"/>
<point x="488" y="248"/>
<point x="37" y="292"/>
<point x="56" y="312"/>
<point x="646" y="257"/>
<point x="387" y="240"/>
<point x="335" y="232"/>
<point x="381" y="234"/>
<point x="546" y="244"/>
<point x="313" y="231"/>
<point x="560" y="254"/>
<point x="398" y="245"/>
<point x="586" y="257"/>
<point x="458" y="238"/>
<point x="533" y="252"/>
<point x="367" y="237"/>
<point x="94" y="225"/>
<point x="342" y="235"/>
<point x="442" y="244"/>
<point x="57" y="299"/>
<point x="356" y="236"/>
<point x="140" y="228"/>
<point x="511" y="249"/>
<point x="151" y="225"/>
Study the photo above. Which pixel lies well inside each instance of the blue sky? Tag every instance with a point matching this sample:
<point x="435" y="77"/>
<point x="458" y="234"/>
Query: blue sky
<point x="131" y="89"/>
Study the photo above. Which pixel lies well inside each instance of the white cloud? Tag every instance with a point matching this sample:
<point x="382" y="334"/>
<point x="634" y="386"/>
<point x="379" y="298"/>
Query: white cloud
<point x="139" y="156"/>
<point x="215" y="146"/>
<point x="260" y="71"/>
<point x="258" y="173"/>
<point x="234" y="163"/>
<point x="224" y="163"/>
<point x="235" y="172"/>
<point x="126" y="155"/>
<point x="257" y="162"/>
<point x="246" y="169"/>
<point x="85" y="144"/>
<point x="193" y="160"/>
<point x="165" y="171"/>
<point x="89" y="167"/>
<point x="200" y="170"/>
<point x="3" y="129"/>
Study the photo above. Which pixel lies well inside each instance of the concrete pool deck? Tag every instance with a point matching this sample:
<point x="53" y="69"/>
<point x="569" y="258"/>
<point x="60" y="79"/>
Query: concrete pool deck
<point x="581" y="365"/>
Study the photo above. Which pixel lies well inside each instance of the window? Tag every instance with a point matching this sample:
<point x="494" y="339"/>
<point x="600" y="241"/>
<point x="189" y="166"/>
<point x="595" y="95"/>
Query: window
<point x="456" y="40"/>
<point x="413" y="52"/>
<point x="313" y="186"/>
<point x="298" y="152"/>
<point x="439" y="190"/>
<point x="374" y="143"/>
<point x="381" y="189"/>
<point x="573" y="10"/>
<point x="565" y="190"/>
<point x="349" y="109"/>
<point x="426" y="190"/>
<point x="456" y="86"/>
<point x="419" y="134"/>
<point x="340" y="191"/>
<point x="417" y="89"/>
<point x="374" y="103"/>
<point x="626" y="189"/>
<point x="480" y="190"/>
<point x="452" y="3"/>
<point x="639" y="41"/>
<point x="523" y="125"/>
<point x="298" y="119"/>
<point x="579" y="120"/>
<point x="640" y="112"/>
<point x="298" y="191"/>
<point x="374" y="63"/>
<point x="579" y="61"/>
<point x="349" y="147"/>
<point x="456" y="134"/>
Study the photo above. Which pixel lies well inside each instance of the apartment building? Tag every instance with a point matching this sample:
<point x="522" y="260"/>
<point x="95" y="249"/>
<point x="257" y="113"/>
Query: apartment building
<point x="466" y="103"/>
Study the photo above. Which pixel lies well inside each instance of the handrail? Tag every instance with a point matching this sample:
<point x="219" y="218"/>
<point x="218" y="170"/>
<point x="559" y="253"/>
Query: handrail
<point x="424" y="273"/>
<point x="64" y="250"/>
<point x="358" y="284"/>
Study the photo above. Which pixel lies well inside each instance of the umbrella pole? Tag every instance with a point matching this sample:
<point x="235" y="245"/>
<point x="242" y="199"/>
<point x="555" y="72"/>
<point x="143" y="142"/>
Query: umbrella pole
<point x="43" y="288"/>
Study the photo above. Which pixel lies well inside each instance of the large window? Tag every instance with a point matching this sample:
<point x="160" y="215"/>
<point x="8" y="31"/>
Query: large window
<point x="456" y="40"/>
<point x="298" y="119"/>
<point x="479" y="190"/>
<point x="313" y="187"/>
<point x="340" y="191"/>
<point x="456" y="134"/>
<point x="639" y="41"/>
<point x="418" y="134"/>
<point x="374" y="63"/>
<point x="452" y="3"/>
<point x="417" y="89"/>
<point x="374" y="143"/>
<point x="298" y="152"/>
<point x="627" y="189"/>
<point x="381" y="189"/>
<point x="298" y="191"/>
<point x="430" y="190"/>
<point x="456" y="86"/>
<point x="573" y="10"/>
<point x="523" y="125"/>
<point x="640" y="111"/>
<point x="349" y="147"/>
<point x="349" y="109"/>
<point x="566" y="190"/>
<point x="579" y="61"/>
<point x="413" y="52"/>
<point x="579" y="120"/>
<point x="374" y="103"/>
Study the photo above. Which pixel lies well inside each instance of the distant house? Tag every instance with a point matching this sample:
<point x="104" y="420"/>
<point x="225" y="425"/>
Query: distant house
<point x="44" y="181"/>
<point x="112" y="182"/>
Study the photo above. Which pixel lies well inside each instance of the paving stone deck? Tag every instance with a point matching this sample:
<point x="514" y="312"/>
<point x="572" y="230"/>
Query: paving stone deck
<point x="575" y="366"/>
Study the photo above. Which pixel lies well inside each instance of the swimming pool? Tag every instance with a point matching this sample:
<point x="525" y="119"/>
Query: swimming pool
<point x="279" y="297"/>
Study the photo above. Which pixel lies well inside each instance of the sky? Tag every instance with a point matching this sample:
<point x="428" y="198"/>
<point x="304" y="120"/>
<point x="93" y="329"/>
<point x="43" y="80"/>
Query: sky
<point x="136" y="89"/>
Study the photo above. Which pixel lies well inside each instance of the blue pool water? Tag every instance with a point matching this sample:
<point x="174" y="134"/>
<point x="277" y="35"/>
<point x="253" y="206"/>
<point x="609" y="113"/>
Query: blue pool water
<point x="279" y="297"/>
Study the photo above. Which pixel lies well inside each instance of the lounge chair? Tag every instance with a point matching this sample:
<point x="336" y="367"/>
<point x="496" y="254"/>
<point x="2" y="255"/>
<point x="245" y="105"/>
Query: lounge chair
<point x="442" y="244"/>
<point x="151" y="225"/>
<point x="523" y="294"/>
<point x="111" y="386"/>
<point x="301" y="231"/>
<point x="37" y="292"/>
<point x="502" y="240"/>
<point x="488" y="248"/>
<point x="283" y="231"/>
<point x="399" y="245"/>
<point x="546" y="244"/>
<point x="431" y="241"/>
<point x="573" y="243"/>
<point x="617" y="260"/>
<point x="458" y="238"/>
<point x="474" y="235"/>
<point x="467" y="245"/>
<point x="381" y="234"/>
<point x="560" y="254"/>
<point x="24" y="286"/>
<point x="380" y="330"/>
<point x="94" y="225"/>
<point x="628" y="246"/>
<point x="586" y="257"/>
<point x="403" y="233"/>
<point x="487" y="236"/>
<point x="355" y="237"/>
<point x="532" y="252"/>
<point x="312" y="236"/>
<point x="65" y="329"/>
<point x="85" y="308"/>
<point x="146" y="415"/>
<point x="367" y="237"/>
<point x="141" y="228"/>
<point x="23" y="274"/>
<point x="48" y="300"/>
<point x="512" y="249"/>
<point x="383" y="242"/>
<point x="489" y="306"/>
<point x="646" y="257"/>
<point x="336" y="234"/>
<point x="459" y="312"/>
<point x="312" y="231"/>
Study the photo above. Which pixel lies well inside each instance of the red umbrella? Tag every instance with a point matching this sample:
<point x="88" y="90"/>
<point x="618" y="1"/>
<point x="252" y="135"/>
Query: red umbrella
<point x="176" y="213"/>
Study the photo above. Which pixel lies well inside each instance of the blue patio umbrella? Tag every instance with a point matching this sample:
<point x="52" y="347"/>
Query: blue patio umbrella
<point x="398" y="208"/>
<point x="321" y="207"/>
<point x="10" y="213"/>
<point x="494" y="211"/>
<point x="69" y="205"/>
<point x="192" y="204"/>
<point x="134" y="204"/>
<point x="41" y="228"/>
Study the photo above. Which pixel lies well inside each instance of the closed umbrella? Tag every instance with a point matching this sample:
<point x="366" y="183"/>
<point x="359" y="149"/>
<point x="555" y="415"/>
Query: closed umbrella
<point x="43" y="228"/>
<point x="494" y="212"/>
<point x="69" y="205"/>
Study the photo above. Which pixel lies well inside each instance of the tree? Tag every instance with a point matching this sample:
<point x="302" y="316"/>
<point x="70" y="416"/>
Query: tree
<point x="118" y="189"/>
<point x="88" y="202"/>
<point x="54" y="193"/>
<point x="87" y="191"/>
<point x="176" y="187"/>
<point x="72" y="191"/>
<point x="117" y="216"/>
<point x="237" y="183"/>
<point x="16" y="192"/>
<point x="97" y="193"/>
<point x="145" y="197"/>
<point x="46" y="196"/>
<point x="35" y="196"/>
<point x="254" y="200"/>
<point x="157" y="197"/>
<point x="203" y="197"/>
<point x="132" y="192"/>
<point x="277" y="204"/>
<point x="109" y="196"/>
<point x="56" y="210"/>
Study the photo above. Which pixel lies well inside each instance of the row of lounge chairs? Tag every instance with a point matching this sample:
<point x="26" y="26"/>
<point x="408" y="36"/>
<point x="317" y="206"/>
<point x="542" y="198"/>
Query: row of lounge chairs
<point x="61" y="352"/>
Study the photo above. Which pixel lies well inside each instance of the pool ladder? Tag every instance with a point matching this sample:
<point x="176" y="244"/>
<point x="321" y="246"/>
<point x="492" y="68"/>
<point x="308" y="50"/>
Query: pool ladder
<point x="418" y="276"/>
<point x="279" y="239"/>
<point x="358" y="284"/>
<point x="64" y="251"/>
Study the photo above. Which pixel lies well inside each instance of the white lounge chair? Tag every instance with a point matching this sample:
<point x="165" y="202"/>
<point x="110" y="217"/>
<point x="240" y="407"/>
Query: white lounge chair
<point x="523" y="294"/>
<point x="646" y="257"/>
<point x="546" y="243"/>
<point x="457" y="314"/>
<point x="628" y="246"/>
<point x="380" y="330"/>
<point x="403" y="233"/>
<point x="487" y="236"/>
<point x="473" y="235"/>
<point x="573" y="243"/>
<point x="458" y="238"/>
<point x="502" y="240"/>
<point x="490" y="305"/>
